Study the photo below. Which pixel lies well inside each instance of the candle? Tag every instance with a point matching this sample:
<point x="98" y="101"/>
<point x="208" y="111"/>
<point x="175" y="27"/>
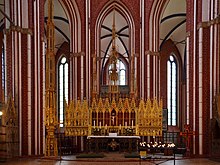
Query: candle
<point x="132" y="124"/>
<point x="94" y="123"/>
<point x="125" y="124"/>
<point x="106" y="126"/>
<point x="100" y="125"/>
<point x="120" y="126"/>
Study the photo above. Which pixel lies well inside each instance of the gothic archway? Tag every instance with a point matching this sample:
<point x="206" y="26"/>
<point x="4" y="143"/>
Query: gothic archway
<point x="124" y="40"/>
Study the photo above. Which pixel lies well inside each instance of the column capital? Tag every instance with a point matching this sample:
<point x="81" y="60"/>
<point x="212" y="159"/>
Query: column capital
<point x="207" y="24"/>
<point x="77" y="54"/>
<point x="19" y="29"/>
<point x="151" y="53"/>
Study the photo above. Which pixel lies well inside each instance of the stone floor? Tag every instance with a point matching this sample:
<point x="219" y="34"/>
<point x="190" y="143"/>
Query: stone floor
<point x="110" y="159"/>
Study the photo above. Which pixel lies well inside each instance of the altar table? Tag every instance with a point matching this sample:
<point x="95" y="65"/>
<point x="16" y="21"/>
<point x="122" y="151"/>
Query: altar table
<point x="112" y="143"/>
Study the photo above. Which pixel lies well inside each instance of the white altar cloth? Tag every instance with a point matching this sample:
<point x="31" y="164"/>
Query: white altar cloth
<point x="116" y="137"/>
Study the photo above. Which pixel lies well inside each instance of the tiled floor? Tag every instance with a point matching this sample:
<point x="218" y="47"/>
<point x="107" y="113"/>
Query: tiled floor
<point x="110" y="159"/>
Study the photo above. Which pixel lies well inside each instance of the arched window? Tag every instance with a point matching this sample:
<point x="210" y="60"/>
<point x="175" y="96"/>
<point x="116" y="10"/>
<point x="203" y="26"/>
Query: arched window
<point x="172" y="90"/>
<point x="62" y="88"/>
<point x="121" y="70"/>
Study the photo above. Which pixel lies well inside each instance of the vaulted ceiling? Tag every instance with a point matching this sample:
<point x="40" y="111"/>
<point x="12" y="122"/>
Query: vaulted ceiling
<point x="122" y="36"/>
<point x="62" y="32"/>
<point x="173" y="24"/>
<point x="1" y="15"/>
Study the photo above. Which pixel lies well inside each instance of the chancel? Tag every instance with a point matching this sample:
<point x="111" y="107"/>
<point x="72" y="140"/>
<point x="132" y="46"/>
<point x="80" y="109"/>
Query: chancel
<point x="99" y="76"/>
<point x="113" y="120"/>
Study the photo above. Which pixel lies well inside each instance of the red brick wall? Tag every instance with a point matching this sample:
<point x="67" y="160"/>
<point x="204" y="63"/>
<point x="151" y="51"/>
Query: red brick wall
<point x="1" y="43"/>
<point x="41" y="76"/>
<point x="189" y="29"/>
<point x="9" y="62"/>
<point x="31" y="26"/>
<point x="24" y="91"/>
<point x="81" y="6"/>
<point x="82" y="10"/>
<point x="197" y="124"/>
<point x="206" y="90"/>
<point x="148" y="10"/>
<point x="167" y="49"/>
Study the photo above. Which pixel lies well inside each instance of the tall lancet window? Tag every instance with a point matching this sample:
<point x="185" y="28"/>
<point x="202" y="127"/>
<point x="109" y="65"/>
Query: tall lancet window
<point x="62" y="88"/>
<point x="172" y="90"/>
<point x="121" y="70"/>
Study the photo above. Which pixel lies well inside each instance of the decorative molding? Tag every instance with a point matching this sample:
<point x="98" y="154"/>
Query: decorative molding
<point x="19" y="29"/>
<point x="148" y="52"/>
<point x="208" y="23"/>
<point x="188" y="34"/>
<point x="77" y="54"/>
<point x="203" y="25"/>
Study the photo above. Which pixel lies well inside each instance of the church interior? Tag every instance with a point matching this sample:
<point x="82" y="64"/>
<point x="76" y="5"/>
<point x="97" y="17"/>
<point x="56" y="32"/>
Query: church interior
<point x="109" y="76"/>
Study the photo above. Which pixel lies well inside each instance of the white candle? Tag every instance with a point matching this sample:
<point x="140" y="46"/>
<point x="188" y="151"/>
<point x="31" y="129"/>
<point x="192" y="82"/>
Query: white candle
<point x="100" y="125"/>
<point x="120" y="126"/>
<point x="94" y="123"/>
<point x="106" y="126"/>
<point x="132" y="124"/>
<point x="126" y="124"/>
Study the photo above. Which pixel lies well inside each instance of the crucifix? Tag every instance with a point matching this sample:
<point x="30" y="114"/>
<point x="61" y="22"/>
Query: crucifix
<point x="187" y="133"/>
<point x="113" y="117"/>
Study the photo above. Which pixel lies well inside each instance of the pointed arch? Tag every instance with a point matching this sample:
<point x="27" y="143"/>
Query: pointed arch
<point x="170" y="49"/>
<point x="122" y="9"/>
<point x="73" y="16"/>
<point x="156" y="13"/>
<point x="125" y="33"/>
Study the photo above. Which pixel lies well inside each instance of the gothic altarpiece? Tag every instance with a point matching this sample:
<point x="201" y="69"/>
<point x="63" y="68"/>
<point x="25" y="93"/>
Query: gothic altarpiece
<point x="123" y="116"/>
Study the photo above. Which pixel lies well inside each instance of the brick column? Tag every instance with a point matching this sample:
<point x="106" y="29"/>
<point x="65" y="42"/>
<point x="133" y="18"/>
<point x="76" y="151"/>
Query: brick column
<point x="1" y="91"/>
